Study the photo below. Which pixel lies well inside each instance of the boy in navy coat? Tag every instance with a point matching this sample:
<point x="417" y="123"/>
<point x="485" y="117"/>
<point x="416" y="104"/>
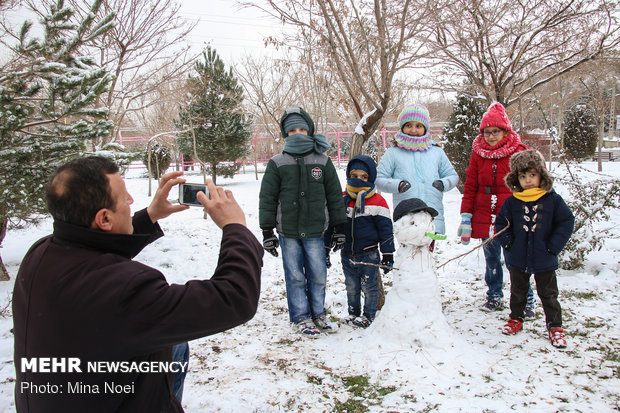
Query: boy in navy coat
<point x="539" y="226"/>
<point x="368" y="231"/>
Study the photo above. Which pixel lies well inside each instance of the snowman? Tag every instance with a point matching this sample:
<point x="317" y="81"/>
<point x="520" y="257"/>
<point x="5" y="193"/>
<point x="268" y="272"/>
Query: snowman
<point x="412" y="316"/>
<point x="410" y="332"/>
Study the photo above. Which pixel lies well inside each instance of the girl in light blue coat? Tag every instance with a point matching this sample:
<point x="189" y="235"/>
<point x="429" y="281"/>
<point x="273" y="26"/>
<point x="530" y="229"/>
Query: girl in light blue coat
<point x="416" y="167"/>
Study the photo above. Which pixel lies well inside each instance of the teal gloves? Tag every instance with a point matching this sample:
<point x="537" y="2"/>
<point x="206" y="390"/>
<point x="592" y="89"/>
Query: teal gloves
<point x="464" y="230"/>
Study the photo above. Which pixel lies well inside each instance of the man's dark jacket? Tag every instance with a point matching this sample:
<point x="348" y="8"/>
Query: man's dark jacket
<point x="79" y="294"/>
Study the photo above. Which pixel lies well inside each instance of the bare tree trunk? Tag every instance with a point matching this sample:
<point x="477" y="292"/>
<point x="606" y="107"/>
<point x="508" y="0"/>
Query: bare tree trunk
<point x="357" y="145"/>
<point x="561" y="125"/>
<point x="601" y="134"/>
<point x="370" y="126"/>
<point x="255" y="162"/>
<point x="148" y="163"/>
<point x="4" y="274"/>
<point x="612" y="110"/>
<point x="157" y="168"/>
<point x="214" y="173"/>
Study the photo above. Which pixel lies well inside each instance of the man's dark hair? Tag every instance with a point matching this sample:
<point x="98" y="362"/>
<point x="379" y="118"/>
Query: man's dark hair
<point x="79" y="189"/>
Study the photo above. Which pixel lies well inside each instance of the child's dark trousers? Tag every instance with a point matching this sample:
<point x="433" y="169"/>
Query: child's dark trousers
<point x="360" y="278"/>
<point x="547" y="288"/>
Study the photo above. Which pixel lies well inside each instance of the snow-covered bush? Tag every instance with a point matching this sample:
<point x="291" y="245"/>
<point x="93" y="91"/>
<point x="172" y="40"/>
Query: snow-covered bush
<point x="119" y="154"/>
<point x="580" y="132"/>
<point x="591" y="203"/>
<point x="371" y="148"/>
<point x="160" y="159"/>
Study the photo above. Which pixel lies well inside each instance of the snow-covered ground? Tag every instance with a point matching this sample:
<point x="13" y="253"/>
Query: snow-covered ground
<point x="264" y="366"/>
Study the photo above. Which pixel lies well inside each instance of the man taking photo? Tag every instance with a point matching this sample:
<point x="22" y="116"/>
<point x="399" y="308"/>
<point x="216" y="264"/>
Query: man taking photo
<point x="82" y="302"/>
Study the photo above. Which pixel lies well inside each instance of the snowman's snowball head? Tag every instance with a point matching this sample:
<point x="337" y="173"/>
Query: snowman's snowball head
<point x="411" y="229"/>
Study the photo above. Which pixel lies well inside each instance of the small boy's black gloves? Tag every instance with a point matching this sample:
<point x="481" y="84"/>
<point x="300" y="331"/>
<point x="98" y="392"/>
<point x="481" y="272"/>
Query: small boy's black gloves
<point x="338" y="238"/>
<point x="270" y="242"/>
<point x="387" y="261"/>
<point x="438" y="185"/>
<point x="328" y="261"/>
<point x="403" y="186"/>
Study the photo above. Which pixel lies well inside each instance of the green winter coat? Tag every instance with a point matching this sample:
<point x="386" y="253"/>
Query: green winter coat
<point x="300" y="195"/>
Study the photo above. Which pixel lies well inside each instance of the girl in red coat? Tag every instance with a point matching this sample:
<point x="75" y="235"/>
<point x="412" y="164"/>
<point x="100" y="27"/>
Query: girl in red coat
<point x="484" y="194"/>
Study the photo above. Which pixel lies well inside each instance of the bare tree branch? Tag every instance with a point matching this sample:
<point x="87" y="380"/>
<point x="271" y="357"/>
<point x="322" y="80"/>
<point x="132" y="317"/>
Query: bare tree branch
<point x="508" y="49"/>
<point x="144" y="51"/>
<point x="367" y="44"/>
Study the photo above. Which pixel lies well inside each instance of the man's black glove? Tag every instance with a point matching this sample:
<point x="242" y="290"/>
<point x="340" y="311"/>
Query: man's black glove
<point x="328" y="262"/>
<point x="403" y="186"/>
<point x="338" y="238"/>
<point x="270" y="242"/>
<point x="387" y="261"/>
<point x="438" y="185"/>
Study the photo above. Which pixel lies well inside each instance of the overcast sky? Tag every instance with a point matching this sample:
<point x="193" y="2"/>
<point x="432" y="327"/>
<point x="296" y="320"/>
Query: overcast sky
<point x="232" y="30"/>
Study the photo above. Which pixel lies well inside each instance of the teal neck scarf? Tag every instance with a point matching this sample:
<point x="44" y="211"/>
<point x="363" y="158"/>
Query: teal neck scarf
<point x="299" y="144"/>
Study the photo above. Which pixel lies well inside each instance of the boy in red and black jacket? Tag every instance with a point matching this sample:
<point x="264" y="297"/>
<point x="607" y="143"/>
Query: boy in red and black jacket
<point x="368" y="231"/>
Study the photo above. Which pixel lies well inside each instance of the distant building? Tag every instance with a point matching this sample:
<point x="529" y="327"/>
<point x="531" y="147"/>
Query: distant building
<point x="537" y="139"/>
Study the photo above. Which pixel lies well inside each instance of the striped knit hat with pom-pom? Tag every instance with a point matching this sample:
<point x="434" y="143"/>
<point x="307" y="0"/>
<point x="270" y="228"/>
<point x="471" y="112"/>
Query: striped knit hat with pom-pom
<point x="414" y="113"/>
<point x="417" y="113"/>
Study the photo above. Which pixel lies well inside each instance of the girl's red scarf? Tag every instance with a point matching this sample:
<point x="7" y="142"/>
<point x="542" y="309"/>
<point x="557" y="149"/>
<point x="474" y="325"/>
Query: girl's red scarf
<point x="502" y="149"/>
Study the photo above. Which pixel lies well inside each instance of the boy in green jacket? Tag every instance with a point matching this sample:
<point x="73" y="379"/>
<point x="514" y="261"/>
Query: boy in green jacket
<point x="300" y="196"/>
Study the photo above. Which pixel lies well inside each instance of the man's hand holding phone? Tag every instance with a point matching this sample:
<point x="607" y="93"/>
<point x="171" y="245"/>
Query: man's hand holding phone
<point x="160" y="206"/>
<point x="221" y="206"/>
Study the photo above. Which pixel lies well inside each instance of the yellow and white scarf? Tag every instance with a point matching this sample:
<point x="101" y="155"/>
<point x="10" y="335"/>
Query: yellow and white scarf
<point x="359" y="190"/>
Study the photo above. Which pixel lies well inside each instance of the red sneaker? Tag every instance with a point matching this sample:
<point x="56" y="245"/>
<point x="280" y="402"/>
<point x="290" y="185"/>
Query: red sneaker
<point x="513" y="326"/>
<point x="557" y="337"/>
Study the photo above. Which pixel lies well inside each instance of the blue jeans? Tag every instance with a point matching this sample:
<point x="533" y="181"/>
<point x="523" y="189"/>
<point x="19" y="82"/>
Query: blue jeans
<point x="305" y="274"/>
<point x="362" y="278"/>
<point x="180" y="353"/>
<point x="494" y="274"/>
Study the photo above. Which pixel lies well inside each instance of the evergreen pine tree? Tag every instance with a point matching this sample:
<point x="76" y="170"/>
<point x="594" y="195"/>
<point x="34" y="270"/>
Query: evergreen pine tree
<point x="460" y="132"/>
<point x="47" y="108"/>
<point x="580" y="132"/>
<point x="215" y="115"/>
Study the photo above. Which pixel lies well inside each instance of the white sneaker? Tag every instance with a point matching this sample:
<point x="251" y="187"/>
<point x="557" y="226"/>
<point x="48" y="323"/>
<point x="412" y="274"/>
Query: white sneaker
<point x="349" y="319"/>
<point x="529" y="314"/>
<point x="361" y="321"/>
<point x="325" y="326"/>
<point x="307" y="328"/>
<point x="358" y="321"/>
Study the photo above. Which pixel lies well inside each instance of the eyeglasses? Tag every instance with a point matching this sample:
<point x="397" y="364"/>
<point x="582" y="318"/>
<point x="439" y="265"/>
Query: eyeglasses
<point x="493" y="132"/>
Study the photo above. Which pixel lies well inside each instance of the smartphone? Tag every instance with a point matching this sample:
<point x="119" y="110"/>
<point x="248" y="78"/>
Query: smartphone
<point x="188" y="192"/>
